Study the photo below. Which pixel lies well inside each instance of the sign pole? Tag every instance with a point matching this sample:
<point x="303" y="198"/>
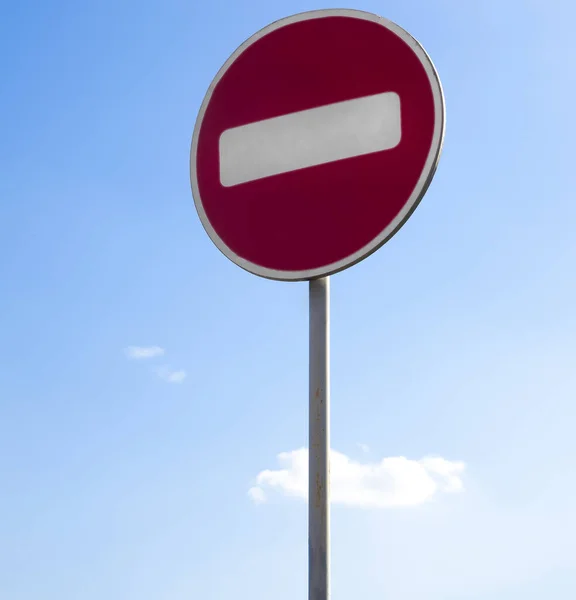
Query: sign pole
<point x="319" y="442"/>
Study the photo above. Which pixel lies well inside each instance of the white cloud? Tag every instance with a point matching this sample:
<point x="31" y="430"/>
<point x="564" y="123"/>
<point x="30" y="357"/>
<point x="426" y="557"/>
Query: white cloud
<point x="257" y="494"/>
<point x="394" y="481"/>
<point x="142" y="352"/>
<point x="364" y="447"/>
<point x="171" y="375"/>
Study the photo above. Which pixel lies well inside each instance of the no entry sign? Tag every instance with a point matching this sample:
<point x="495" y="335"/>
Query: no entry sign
<point x="315" y="142"/>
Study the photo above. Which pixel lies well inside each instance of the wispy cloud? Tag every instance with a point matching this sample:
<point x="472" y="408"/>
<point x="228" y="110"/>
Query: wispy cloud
<point x="393" y="481"/>
<point x="257" y="494"/>
<point x="171" y="375"/>
<point x="364" y="447"/>
<point x="143" y="352"/>
<point x="165" y="372"/>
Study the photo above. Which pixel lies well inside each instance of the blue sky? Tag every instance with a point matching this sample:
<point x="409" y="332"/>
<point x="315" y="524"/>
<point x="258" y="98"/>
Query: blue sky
<point x="127" y="477"/>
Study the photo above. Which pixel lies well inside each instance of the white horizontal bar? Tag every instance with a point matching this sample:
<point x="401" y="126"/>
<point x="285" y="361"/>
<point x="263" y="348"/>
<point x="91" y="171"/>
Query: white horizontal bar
<point x="310" y="137"/>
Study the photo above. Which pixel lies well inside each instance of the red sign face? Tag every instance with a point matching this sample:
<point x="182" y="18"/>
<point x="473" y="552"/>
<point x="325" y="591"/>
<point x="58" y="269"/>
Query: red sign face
<point x="315" y="142"/>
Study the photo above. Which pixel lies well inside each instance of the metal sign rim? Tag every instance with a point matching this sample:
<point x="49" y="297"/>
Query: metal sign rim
<point x="416" y="196"/>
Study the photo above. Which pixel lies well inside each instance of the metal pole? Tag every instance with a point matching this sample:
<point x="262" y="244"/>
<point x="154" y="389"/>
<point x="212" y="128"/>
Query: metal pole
<point x="319" y="442"/>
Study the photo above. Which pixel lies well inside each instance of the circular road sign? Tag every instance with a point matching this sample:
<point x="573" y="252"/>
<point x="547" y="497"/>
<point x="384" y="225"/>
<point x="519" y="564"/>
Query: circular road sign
<point x="315" y="142"/>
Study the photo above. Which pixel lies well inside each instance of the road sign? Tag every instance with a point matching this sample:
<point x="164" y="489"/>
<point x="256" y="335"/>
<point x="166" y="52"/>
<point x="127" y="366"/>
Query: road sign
<point x="315" y="142"/>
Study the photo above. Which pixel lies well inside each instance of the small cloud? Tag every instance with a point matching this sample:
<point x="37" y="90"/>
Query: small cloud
<point x="143" y="352"/>
<point x="364" y="447"/>
<point x="391" y="482"/>
<point x="171" y="375"/>
<point x="257" y="494"/>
